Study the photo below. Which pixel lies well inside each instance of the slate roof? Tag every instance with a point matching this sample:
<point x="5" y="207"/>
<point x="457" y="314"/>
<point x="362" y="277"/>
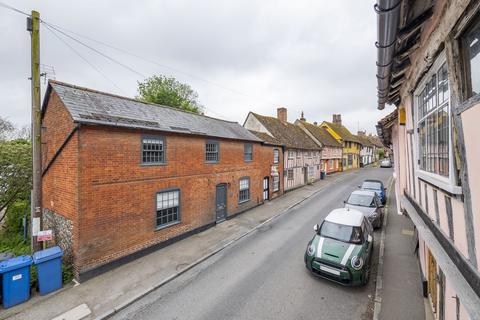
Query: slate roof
<point x="342" y="132"/>
<point x="265" y="137"/>
<point x="321" y="134"/>
<point x="287" y="133"/>
<point x="94" y="107"/>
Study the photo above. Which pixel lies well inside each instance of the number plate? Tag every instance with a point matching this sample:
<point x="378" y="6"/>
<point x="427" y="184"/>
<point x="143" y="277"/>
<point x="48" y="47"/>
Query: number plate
<point x="330" y="270"/>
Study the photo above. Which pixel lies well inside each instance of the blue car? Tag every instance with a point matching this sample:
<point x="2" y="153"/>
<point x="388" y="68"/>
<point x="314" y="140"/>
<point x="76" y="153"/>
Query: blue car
<point x="377" y="186"/>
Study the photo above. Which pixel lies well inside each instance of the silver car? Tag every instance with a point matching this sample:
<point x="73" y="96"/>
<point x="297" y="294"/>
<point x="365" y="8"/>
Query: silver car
<point x="386" y="163"/>
<point x="369" y="204"/>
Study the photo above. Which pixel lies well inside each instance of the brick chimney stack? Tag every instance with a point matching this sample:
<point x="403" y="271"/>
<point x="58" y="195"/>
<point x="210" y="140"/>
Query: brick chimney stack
<point x="337" y="119"/>
<point x="315" y="123"/>
<point x="302" y="117"/>
<point x="282" y="114"/>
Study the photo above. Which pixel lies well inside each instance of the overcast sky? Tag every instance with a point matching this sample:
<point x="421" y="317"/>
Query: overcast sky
<point x="240" y="56"/>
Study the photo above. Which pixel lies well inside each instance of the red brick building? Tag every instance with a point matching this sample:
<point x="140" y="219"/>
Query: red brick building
<point x="122" y="178"/>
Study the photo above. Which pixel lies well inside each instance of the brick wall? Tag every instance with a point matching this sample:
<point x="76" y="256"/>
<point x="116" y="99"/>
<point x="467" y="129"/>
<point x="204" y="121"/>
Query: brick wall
<point x="117" y="198"/>
<point x="59" y="190"/>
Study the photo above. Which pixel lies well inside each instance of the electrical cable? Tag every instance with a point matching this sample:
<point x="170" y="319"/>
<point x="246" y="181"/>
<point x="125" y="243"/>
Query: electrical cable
<point x="7" y="6"/>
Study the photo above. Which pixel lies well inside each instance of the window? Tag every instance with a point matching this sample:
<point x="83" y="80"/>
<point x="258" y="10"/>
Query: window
<point x="244" y="193"/>
<point x="276" y="156"/>
<point x="211" y="151"/>
<point x="471" y="43"/>
<point x="290" y="174"/>
<point x="248" y="152"/>
<point x="299" y="154"/>
<point x="276" y="183"/>
<point x="290" y="154"/>
<point x="168" y="208"/>
<point x="309" y="154"/>
<point x="433" y="114"/>
<point x="341" y="232"/>
<point x="350" y="159"/>
<point x="153" y="150"/>
<point x="330" y="164"/>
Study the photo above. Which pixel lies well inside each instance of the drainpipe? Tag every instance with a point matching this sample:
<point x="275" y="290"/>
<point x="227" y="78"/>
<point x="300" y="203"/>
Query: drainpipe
<point x="388" y="12"/>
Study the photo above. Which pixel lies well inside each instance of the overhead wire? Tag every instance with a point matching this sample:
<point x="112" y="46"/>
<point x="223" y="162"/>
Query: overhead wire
<point x="85" y="59"/>
<point x="7" y="6"/>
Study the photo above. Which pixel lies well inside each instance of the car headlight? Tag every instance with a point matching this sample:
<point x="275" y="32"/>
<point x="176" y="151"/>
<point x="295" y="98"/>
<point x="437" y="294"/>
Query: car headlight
<point x="357" y="263"/>
<point x="311" y="250"/>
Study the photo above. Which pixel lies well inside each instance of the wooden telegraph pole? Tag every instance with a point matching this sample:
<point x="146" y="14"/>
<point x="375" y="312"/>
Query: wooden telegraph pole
<point x="33" y="25"/>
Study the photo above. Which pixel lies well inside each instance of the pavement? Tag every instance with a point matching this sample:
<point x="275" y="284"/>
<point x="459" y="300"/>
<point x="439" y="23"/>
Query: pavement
<point x="248" y="267"/>
<point x="399" y="295"/>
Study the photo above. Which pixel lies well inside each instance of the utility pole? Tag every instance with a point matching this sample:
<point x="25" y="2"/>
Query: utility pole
<point x="33" y="25"/>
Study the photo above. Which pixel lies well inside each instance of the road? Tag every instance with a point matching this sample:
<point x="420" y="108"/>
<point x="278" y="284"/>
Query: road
<point x="263" y="276"/>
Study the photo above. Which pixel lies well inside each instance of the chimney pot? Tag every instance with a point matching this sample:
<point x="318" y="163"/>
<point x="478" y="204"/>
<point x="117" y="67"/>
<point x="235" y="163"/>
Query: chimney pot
<point x="315" y="123"/>
<point x="282" y="114"/>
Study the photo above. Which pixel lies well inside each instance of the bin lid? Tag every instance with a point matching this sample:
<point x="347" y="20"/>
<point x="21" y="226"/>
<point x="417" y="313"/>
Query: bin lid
<point x="15" y="263"/>
<point x="47" y="254"/>
<point x="5" y="256"/>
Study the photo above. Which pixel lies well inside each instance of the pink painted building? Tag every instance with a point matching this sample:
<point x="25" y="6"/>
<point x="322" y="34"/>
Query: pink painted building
<point x="302" y="156"/>
<point x="428" y="67"/>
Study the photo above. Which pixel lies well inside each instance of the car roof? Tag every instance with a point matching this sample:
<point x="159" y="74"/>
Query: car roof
<point x="364" y="192"/>
<point x="346" y="216"/>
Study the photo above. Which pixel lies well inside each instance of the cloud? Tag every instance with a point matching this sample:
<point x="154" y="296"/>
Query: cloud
<point x="314" y="56"/>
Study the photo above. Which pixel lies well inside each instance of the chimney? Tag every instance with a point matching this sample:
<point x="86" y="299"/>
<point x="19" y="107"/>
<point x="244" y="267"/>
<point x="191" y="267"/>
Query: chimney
<point x="302" y="118"/>
<point x="282" y="114"/>
<point x="315" y="123"/>
<point x="337" y="119"/>
<point x="362" y="133"/>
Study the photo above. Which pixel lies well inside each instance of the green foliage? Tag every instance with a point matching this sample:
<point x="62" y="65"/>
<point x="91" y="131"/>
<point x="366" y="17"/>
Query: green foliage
<point x="381" y="153"/>
<point x="15" y="171"/>
<point x="170" y="92"/>
<point x="67" y="273"/>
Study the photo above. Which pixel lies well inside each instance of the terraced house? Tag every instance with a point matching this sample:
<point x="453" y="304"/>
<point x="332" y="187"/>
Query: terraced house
<point x="367" y="152"/>
<point x="350" y="143"/>
<point x="429" y="69"/>
<point x="302" y="156"/>
<point x="122" y="178"/>
<point x="331" y="155"/>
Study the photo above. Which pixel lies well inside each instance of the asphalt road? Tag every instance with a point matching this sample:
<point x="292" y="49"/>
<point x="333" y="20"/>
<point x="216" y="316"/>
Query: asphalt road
<point x="263" y="276"/>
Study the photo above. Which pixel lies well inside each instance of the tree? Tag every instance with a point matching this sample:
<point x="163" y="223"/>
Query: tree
<point x="15" y="171"/>
<point x="169" y="92"/>
<point x="6" y="129"/>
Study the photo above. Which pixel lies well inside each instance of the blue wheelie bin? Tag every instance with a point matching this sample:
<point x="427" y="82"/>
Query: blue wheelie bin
<point x="15" y="274"/>
<point x="49" y="269"/>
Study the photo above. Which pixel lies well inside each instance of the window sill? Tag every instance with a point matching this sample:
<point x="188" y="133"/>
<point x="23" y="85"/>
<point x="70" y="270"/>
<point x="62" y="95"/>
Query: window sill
<point x="171" y="224"/>
<point x="249" y="160"/>
<point x="430" y="178"/>
<point x="153" y="164"/>
<point x="244" y="201"/>
<point x="211" y="162"/>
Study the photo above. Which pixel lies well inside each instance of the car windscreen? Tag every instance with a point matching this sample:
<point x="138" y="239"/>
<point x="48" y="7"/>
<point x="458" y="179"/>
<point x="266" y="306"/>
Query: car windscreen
<point x="363" y="200"/>
<point x="341" y="232"/>
<point x="371" y="185"/>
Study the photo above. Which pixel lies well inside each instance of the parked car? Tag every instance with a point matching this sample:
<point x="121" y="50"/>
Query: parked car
<point x="369" y="203"/>
<point x="341" y="249"/>
<point x="385" y="163"/>
<point x="377" y="186"/>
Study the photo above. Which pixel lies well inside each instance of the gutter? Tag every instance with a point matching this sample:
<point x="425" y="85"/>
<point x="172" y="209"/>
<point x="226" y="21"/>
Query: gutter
<point x="388" y="12"/>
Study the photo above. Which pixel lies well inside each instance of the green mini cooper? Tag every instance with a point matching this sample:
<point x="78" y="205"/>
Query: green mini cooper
<point x="342" y="248"/>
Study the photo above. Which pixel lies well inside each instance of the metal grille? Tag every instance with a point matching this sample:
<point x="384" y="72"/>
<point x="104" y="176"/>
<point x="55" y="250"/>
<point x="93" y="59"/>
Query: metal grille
<point x="168" y="207"/>
<point x="211" y="151"/>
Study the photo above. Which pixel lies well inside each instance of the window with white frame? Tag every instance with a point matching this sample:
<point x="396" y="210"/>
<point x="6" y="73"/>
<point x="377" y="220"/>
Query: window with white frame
<point x="244" y="190"/>
<point x="291" y="154"/>
<point x="330" y="164"/>
<point x="168" y="208"/>
<point x="276" y="183"/>
<point x="276" y="156"/>
<point x="433" y="120"/>
<point x="290" y="174"/>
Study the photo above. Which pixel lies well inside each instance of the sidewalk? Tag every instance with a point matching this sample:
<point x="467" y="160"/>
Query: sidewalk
<point x="113" y="290"/>
<point x="400" y="289"/>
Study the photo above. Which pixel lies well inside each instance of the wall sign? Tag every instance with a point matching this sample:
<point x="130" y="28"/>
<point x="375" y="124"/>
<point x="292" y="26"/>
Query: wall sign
<point x="44" y="235"/>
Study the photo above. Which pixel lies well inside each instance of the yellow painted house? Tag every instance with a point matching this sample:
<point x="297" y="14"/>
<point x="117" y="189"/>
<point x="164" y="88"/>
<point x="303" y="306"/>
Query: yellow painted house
<point x="351" y="144"/>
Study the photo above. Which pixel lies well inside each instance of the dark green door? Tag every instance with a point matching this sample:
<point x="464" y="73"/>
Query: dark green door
<point x="221" y="202"/>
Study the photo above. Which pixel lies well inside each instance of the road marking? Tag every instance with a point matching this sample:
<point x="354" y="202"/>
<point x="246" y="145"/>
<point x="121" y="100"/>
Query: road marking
<point x="77" y="313"/>
<point x="379" y="285"/>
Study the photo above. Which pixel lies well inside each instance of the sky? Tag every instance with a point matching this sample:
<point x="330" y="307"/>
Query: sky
<point x="312" y="56"/>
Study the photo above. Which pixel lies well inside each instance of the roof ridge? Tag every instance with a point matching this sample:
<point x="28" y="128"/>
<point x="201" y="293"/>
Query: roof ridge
<point x="132" y="99"/>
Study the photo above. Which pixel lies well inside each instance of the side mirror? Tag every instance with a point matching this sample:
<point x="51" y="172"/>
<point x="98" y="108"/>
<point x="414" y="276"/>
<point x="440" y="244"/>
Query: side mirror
<point x="359" y="186"/>
<point x="316" y="228"/>
<point x="344" y="201"/>
<point x="385" y="188"/>
<point x="369" y="238"/>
